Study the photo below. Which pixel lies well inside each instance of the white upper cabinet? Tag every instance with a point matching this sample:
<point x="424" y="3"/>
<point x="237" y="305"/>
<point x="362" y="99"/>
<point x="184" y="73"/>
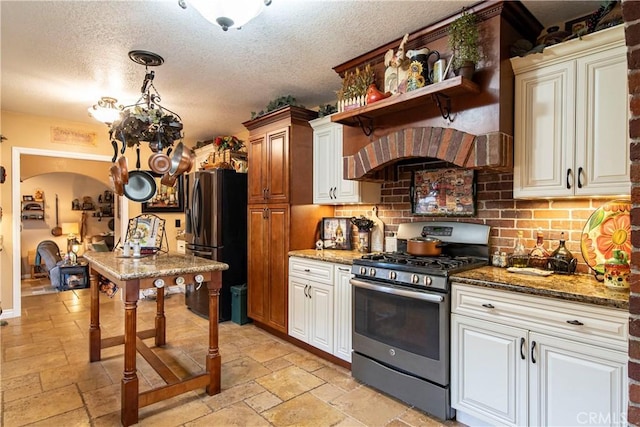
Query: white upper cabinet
<point x="328" y="186"/>
<point x="572" y="119"/>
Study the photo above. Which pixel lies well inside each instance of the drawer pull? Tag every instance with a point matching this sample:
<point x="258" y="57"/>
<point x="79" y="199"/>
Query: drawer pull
<point x="344" y="269"/>
<point x="307" y="270"/>
<point x="522" y="356"/>
<point x="488" y="305"/>
<point x="533" y="348"/>
<point x="575" y="322"/>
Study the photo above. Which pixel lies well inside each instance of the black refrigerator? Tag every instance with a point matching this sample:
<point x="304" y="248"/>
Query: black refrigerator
<point x="216" y="228"/>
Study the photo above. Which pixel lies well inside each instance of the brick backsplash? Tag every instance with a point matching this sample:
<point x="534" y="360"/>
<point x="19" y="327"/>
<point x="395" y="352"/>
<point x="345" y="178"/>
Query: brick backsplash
<point x="495" y="207"/>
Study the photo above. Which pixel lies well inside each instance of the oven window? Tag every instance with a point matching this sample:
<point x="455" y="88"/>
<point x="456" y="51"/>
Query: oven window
<point x="400" y="322"/>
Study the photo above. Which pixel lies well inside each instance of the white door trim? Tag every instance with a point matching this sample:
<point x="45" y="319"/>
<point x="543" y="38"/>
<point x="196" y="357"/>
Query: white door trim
<point x="16" y="152"/>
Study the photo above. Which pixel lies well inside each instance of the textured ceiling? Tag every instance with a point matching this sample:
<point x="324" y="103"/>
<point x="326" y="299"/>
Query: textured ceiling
<point x="60" y="57"/>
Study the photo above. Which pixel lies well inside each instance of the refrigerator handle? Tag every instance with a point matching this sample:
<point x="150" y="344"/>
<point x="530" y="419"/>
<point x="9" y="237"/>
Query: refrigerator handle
<point x="196" y="209"/>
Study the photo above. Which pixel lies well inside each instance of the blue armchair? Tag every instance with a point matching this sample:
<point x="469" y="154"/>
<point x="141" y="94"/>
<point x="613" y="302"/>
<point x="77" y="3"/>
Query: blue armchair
<point x="49" y="253"/>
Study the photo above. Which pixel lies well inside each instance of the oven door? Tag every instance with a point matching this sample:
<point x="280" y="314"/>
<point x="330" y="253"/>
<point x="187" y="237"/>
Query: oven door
<point x="404" y="328"/>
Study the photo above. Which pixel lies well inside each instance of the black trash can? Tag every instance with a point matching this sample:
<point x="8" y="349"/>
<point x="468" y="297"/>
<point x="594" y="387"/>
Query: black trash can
<point x="239" y="304"/>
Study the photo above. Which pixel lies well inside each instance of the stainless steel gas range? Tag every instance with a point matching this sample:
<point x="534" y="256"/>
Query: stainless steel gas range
<point x="401" y="313"/>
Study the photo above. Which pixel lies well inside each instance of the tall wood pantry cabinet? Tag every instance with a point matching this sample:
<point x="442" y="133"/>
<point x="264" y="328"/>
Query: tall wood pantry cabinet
<point x="572" y="119"/>
<point x="281" y="214"/>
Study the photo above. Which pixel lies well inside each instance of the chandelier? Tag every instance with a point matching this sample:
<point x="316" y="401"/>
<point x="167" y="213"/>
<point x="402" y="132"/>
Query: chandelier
<point x="105" y="110"/>
<point x="228" y="13"/>
<point x="147" y="120"/>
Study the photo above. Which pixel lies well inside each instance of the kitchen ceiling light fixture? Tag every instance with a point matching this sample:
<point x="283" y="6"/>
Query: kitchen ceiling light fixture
<point x="105" y="110"/>
<point x="228" y="13"/>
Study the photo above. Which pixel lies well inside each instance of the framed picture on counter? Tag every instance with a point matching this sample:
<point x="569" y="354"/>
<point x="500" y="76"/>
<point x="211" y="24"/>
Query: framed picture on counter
<point x="443" y="192"/>
<point x="336" y="233"/>
<point x="166" y="199"/>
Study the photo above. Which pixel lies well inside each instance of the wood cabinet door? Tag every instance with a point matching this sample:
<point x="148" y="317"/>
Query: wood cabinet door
<point x="602" y="124"/>
<point x="258" y="266"/>
<point x="256" y="181"/>
<point x="277" y="166"/>
<point x="489" y="365"/>
<point x="278" y="259"/>
<point x="343" y="310"/>
<point x="325" y="163"/>
<point x="545" y="132"/>
<point x="573" y="383"/>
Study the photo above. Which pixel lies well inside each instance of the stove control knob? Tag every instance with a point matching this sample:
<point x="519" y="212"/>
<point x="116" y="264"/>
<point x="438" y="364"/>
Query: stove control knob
<point x="427" y="281"/>
<point x="415" y="279"/>
<point x="392" y="275"/>
<point x="372" y="272"/>
<point x="363" y="270"/>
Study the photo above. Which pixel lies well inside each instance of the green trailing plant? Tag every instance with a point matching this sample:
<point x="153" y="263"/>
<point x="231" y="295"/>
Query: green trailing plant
<point x="356" y="83"/>
<point x="463" y="39"/>
<point x="276" y="104"/>
<point x="326" y="110"/>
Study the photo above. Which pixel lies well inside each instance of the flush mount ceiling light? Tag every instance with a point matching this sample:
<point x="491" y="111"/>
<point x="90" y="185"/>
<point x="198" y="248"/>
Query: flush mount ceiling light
<point x="228" y="13"/>
<point x="105" y="110"/>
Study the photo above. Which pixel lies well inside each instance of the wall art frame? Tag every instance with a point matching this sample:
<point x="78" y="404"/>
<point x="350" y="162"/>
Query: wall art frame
<point x="443" y="192"/>
<point x="336" y="233"/>
<point x="166" y="199"/>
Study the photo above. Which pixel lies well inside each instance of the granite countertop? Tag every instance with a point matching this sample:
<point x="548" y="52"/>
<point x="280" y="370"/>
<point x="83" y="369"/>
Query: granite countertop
<point x="158" y="265"/>
<point x="576" y="287"/>
<point x="328" y="255"/>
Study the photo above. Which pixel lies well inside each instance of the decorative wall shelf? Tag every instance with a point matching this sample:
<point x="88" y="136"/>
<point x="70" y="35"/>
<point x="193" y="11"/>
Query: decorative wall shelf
<point x="440" y="93"/>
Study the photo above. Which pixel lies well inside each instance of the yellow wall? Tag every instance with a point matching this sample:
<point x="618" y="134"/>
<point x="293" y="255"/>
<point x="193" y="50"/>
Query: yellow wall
<point x="27" y="131"/>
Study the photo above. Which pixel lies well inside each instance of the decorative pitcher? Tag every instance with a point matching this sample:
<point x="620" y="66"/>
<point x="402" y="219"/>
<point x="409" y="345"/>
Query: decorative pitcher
<point x="420" y="73"/>
<point x="616" y="271"/>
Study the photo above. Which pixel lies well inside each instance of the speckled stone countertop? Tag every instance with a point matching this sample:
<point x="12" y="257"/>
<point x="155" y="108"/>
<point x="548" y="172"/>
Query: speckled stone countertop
<point x="328" y="255"/>
<point x="575" y="287"/>
<point x="157" y="265"/>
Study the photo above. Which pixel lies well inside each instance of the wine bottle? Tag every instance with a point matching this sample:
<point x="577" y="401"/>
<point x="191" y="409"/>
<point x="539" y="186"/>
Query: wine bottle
<point x="539" y="256"/>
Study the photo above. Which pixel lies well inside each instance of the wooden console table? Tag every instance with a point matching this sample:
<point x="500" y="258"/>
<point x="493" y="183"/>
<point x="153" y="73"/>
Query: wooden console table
<point x="131" y="275"/>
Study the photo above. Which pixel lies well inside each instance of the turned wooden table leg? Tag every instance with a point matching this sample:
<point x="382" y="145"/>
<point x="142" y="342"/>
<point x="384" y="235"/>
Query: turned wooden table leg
<point x="161" y="321"/>
<point x="129" y="386"/>
<point x="94" y="328"/>
<point x="214" y="362"/>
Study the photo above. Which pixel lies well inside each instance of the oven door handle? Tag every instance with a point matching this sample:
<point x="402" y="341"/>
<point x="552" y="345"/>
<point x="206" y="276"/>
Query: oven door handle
<point x="395" y="291"/>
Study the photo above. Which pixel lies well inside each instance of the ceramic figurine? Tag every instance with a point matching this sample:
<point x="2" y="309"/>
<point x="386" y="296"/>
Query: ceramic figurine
<point x="617" y="270"/>
<point x="395" y="75"/>
<point x="373" y="94"/>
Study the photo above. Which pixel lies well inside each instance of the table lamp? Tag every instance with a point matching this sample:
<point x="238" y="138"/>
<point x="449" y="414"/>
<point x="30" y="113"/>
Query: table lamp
<point x="71" y="229"/>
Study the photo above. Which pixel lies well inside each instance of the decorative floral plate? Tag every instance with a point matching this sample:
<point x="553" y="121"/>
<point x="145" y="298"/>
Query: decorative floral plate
<point x="608" y="228"/>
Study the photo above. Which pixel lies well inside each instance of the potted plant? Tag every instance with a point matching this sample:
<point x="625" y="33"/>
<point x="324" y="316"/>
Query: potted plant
<point x="463" y="41"/>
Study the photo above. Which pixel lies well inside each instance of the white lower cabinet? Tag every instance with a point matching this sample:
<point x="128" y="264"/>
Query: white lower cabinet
<point x="519" y="360"/>
<point x="342" y="311"/>
<point x="320" y="305"/>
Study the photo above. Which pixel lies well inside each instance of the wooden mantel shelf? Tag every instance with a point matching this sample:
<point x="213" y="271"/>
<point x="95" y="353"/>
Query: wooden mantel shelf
<point x="447" y="89"/>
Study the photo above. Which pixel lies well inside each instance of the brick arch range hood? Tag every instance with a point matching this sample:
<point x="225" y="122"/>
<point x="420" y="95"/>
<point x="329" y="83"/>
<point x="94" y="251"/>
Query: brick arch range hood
<point x="489" y="151"/>
<point x="479" y="132"/>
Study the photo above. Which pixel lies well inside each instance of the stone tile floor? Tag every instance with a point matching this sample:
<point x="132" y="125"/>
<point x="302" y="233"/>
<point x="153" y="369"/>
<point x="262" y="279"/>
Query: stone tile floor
<point x="47" y="380"/>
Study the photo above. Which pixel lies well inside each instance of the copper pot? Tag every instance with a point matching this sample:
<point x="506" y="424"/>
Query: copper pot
<point x="424" y="246"/>
<point x="159" y="163"/>
<point x="168" y="180"/>
<point x="118" y="186"/>
<point x="181" y="160"/>
<point x="123" y="165"/>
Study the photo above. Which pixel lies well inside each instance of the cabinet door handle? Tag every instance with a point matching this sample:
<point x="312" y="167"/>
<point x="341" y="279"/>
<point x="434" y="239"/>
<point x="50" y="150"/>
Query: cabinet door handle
<point x="334" y="192"/>
<point x="522" y="355"/>
<point x="533" y="348"/>
<point x="343" y="269"/>
<point x="568" y="176"/>
<point x="575" y="322"/>
<point x="305" y="290"/>
<point x="580" y="177"/>
<point x="488" y="305"/>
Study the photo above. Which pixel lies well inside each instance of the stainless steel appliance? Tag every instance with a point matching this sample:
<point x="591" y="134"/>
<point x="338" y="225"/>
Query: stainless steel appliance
<point x="401" y="313"/>
<point x="216" y="228"/>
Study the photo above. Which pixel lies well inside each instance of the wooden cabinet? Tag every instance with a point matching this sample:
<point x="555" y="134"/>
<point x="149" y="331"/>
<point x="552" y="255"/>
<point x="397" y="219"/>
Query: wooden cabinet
<point x="268" y="234"/>
<point x="520" y="360"/>
<point x="311" y="302"/>
<point x="320" y="305"/>
<point x="572" y="120"/>
<point x="329" y="187"/>
<point x="281" y="215"/>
